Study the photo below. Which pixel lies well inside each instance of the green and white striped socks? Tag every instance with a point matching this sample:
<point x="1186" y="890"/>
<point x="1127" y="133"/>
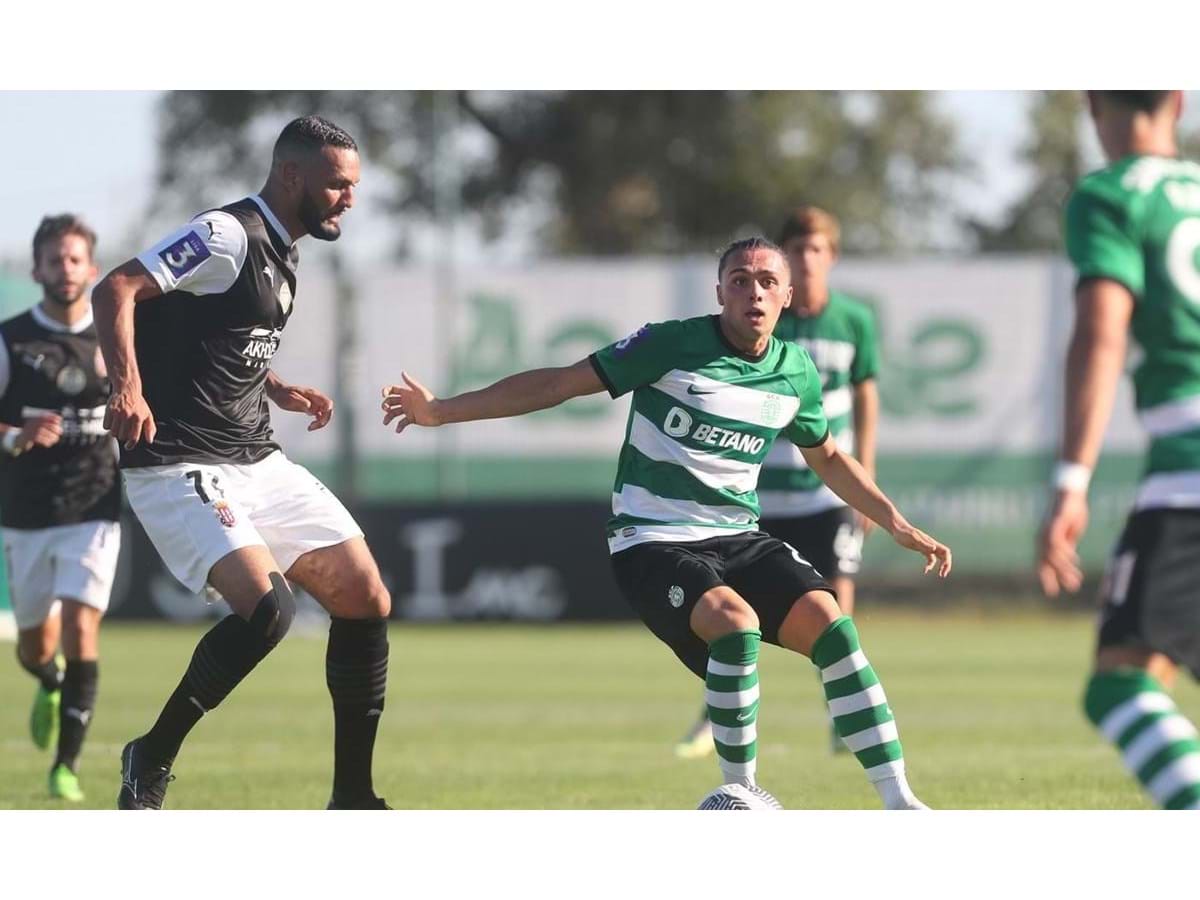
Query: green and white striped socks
<point x="1159" y="746"/>
<point x="861" y="714"/>
<point x="731" y="692"/>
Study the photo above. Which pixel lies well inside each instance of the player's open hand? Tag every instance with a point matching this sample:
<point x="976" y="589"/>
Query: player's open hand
<point x="935" y="553"/>
<point x="128" y="418"/>
<point x="410" y="403"/>
<point x="1058" y="559"/>
<point x="40" y="431"/>
<point x="305" y="400"/>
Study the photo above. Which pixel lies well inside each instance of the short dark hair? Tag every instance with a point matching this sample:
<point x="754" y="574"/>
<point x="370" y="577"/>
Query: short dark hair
<point x="805" y="221"/>
<point x="309" y="134"/>
<point x="1142" y="101"/>
<point x="53" y="228"/>
<point x="751" y="243"/>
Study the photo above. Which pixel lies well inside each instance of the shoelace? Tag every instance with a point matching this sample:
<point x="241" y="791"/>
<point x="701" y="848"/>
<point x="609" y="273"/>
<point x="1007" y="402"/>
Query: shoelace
<point x="154" y="787"/>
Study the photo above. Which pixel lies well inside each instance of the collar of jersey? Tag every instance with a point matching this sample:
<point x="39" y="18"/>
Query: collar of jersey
<point x="275" y="223"/>
<point x="734" y="351"/>
<point x="54" y="325"/>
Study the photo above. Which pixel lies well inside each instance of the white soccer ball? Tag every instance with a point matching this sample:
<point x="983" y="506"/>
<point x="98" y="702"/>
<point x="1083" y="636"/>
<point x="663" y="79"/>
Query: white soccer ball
<point x="738" y="796"/>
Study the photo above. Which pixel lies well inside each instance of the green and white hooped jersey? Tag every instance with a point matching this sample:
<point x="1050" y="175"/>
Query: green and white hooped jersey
<point x="842" y="344"/>
<point x="701" y="422"/>
<point x="1137" y="222"/>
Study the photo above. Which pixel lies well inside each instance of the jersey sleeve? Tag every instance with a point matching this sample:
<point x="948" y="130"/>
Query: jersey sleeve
<point x="809" y="428"/>
<point x="203" y="257"/>
<point x="1100" y="242"/>
<point x="642" y="358"/>
<point x="866" y="351"/>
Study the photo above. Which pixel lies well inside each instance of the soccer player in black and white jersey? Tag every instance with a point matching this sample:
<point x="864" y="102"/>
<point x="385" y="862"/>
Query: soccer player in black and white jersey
<point x="59" y="492"/>
<point x="188" y="329"/>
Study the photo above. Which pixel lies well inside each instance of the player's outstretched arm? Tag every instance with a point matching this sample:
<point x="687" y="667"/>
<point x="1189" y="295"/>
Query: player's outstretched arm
<point x="1095" y="360"/>
<point x="411" y="403"/>
<point x="847" y="478"/>
<point x="128" y="417"/>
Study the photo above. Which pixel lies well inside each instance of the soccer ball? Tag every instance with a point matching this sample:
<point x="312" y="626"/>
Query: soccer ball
<point x="737" y="796"/>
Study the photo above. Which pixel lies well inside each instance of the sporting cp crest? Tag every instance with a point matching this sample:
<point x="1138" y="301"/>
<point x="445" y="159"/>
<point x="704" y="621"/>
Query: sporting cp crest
<point x="224" y="514"/>
<point x="771" y="409"/>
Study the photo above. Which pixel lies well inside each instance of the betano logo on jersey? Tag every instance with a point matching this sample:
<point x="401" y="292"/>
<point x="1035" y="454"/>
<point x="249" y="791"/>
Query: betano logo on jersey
<point x="261" y="344"/>
<point x="679" y="424"/>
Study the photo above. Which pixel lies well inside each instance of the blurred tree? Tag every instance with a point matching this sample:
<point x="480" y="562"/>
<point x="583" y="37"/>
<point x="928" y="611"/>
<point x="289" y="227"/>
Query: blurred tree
<point x="1054" y="153"/>
<point x="606" y="172"/>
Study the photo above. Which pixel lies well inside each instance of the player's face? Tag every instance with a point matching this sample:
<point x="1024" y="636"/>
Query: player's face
<point x="811" y="257"/>
<point x="754" y="289"/>
<point x="329" y="183"/>
<point x="65" y="269"/>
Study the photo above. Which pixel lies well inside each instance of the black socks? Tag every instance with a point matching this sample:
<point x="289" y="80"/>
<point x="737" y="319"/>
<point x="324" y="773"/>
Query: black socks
<point x="356" y="661"/>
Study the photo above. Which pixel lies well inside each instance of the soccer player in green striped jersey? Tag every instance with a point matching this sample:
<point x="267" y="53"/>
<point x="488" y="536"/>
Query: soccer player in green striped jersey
<point x="710" y="395"/>
<point x="1133" y="235"/>
<point x="839" y="334"/>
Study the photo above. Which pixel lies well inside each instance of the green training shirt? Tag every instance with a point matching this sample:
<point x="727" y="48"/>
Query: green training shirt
<point x="1137" y="222"/>
<point x="842" y="343"/>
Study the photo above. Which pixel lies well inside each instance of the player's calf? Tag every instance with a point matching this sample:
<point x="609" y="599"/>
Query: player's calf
<point x="1158" y="745"/>
<point x="731" y="691"/>
<point x="356" y="664"/>
<point x="224" y="656"/>
<point x="860" y="712"/>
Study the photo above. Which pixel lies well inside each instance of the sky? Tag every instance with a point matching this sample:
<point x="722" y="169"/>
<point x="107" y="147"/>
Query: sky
<point x="94" y="153"/>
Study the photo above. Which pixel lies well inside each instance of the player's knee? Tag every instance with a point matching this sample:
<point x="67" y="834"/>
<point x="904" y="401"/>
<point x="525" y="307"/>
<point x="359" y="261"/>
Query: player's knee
<point x="722" y="612"/>
<point x="379" y="600"/>
<point x="275" y="612"/>
<point x="79" y="622"/>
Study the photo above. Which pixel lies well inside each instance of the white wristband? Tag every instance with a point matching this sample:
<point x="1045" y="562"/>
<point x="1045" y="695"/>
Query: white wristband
<point x="9" y="441"/>
<point x="1069" y="476"/>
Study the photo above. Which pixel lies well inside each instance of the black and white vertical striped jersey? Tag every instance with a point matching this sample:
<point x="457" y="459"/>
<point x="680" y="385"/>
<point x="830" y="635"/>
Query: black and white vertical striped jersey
<point x="48" y="367"/>
<point x="205" y="346"/>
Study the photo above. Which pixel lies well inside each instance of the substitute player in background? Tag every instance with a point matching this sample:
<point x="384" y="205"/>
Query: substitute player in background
<point x="60" y="497"/>
<point x="710" y="394"/>
<point x="188" y="329"/>
<point x="839" y="334"/>
<point x="1133" y="235"/>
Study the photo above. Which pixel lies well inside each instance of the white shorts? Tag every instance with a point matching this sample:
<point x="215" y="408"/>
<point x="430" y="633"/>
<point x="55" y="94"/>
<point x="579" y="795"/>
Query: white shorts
<point x="46" y="565"/>
<point x="195" y="513"/>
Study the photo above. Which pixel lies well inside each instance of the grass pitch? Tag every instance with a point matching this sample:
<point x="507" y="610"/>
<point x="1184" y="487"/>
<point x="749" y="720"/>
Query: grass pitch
<point x="584" y="717"/>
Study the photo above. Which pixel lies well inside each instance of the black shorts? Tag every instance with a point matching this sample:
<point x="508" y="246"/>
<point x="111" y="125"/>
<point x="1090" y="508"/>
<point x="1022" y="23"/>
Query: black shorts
<point x="663" y="582"/>
<point x="831" y="540"/>
<point x="1150" y="596"/>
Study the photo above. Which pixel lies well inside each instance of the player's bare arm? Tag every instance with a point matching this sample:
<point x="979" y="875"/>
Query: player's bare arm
<point x="847" y="478"/>
<point x="1095" y="360"/>
<point x="128" y="417"/>
<point x="42" y="430"/>
<point x="295" y="398"/>
<point x="866" y="420"/>
<point x="411" y="403"/>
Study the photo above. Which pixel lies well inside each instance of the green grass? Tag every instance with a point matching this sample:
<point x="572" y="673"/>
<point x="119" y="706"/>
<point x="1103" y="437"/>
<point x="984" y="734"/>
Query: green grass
<point x="584" y="717"/>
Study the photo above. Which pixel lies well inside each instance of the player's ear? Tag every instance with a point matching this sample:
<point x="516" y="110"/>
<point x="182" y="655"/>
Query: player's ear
<point x="1177" y="103"/>
<point x="787" y="298"/>
<point x="289" y="172"/>
<point x="720" y="296"/>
